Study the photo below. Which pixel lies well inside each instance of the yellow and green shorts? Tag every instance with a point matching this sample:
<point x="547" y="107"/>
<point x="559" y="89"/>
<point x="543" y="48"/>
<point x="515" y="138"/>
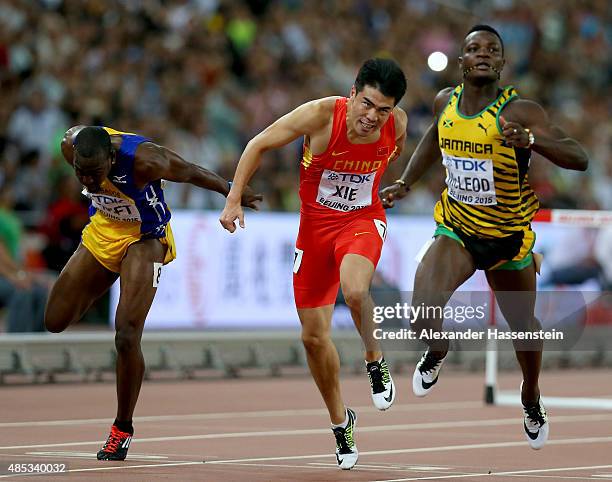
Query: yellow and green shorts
<point x="512" y="252"/>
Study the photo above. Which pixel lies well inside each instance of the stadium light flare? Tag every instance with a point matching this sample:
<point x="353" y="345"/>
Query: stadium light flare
<point x="437" y="61"/>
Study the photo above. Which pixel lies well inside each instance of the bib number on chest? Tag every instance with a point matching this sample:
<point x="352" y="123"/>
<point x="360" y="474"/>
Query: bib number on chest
<point x="470" y="181"/>
<point x="114" y="207"/>
<point x="345" y="191"/>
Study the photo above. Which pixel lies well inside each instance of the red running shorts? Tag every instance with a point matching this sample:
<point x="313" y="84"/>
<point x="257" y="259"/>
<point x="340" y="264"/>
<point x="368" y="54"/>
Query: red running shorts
<point x="319" y="250"/>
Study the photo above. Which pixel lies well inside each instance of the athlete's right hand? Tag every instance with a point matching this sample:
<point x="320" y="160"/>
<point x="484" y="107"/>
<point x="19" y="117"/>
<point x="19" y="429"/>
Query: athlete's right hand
<point x="392" y="193"/>
<point x="231" y="212"/>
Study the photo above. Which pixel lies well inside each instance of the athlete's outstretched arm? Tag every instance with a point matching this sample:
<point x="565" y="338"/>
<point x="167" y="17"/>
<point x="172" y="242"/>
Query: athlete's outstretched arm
<point x="550" y="140"/>
<point x="155" y="162"/>
<point x="426" y="153"/>
<point x="304" y="120"/>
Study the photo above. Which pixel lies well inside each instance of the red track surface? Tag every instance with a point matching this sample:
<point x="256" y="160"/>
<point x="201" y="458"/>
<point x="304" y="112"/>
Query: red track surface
<point x="277" y="430"/>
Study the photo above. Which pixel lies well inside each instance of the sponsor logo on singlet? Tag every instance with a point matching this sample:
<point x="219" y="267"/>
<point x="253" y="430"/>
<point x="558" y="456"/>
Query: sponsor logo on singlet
<point x="345" y="191"/>
<point x="465" y="146"/>
<point x="470" y="181"/>
<point x="112" y="206"/>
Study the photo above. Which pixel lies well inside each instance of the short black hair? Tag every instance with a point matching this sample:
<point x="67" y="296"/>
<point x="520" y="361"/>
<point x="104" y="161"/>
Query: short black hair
<point x="92" y="145"/>
<point x="487" y="28"/>
<point x="383" y="74"/>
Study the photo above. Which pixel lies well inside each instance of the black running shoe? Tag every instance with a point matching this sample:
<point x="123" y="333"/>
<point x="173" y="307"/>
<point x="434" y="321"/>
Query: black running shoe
<point x="426" y="374"/>
<point x="116" y="446"/>
<point x="381" y="383"/>
<point x="346" y="449"/>
<point x="535" y="424"/>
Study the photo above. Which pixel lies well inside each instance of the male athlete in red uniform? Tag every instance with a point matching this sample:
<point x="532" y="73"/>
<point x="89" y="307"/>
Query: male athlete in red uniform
<point x="348" y="143"/>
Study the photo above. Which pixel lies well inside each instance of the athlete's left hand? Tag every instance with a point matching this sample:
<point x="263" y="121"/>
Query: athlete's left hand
<point x="231" y="212"/>
<point x="514" y="133"/>
<point x="390" y="194"/>
<point x="249" y="198"/>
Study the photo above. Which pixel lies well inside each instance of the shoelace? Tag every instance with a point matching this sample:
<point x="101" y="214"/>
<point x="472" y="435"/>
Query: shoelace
<point x="376" y="378"/>
<point x="384" y="368"/>
<point x="429" y="363"/>
<point x="113" y="441"/>
<point x="535" y="415"/>
<point x="341" y="441"/>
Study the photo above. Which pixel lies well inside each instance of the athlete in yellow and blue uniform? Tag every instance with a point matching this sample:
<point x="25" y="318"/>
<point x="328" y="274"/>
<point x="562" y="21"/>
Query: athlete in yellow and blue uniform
<point x="485" y="134"/>
<point x="121" y="213"/>
<point x="128" y="236"/>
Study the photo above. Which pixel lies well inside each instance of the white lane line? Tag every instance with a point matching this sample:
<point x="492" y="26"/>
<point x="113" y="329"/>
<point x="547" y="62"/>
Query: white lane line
<point x="385" y="468"/>
<point x="399" y="467"/>
<point x="436" y="477"/>
<point x="315" y="431"/>
<point x="445" y="448"/>
<point x="556" y="469"/>
<point x="132" y="457"/>
<point x="383" y="452"/>
<point x="494" y="474"/>
<point x="554" y="477"/>
<point x="286" y="466"/>
<point x="242" y="415"/>
<point x="88" y="455"/>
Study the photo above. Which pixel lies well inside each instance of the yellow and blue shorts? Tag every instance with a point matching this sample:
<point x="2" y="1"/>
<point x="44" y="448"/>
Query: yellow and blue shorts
<point x="108" y="240"/>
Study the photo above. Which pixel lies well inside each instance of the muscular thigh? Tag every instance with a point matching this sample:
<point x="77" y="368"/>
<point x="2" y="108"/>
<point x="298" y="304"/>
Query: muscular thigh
<point x="515" y="291"/>
<point x="364" y="237"/>
<point x="316" y="276"/>
<point x="82" y="281"/>
<point x="320" y="251"/>
<point x="445" y="266"/>
<point x="316" y="322"/>
<point x="140" y="274"/>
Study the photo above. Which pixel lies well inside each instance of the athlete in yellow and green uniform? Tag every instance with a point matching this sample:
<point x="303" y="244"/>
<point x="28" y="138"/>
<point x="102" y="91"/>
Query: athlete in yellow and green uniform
<point x="485" y="134"/>
<point x="488" y="204"/>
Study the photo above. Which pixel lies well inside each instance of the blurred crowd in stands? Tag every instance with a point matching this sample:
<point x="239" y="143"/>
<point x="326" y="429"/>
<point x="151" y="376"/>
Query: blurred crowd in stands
<point x="204" y="76"/>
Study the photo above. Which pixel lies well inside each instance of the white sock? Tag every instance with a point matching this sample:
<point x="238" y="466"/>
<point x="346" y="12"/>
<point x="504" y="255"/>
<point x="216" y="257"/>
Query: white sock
<point x="343" y="424"/>
<point x="379" y="360"/>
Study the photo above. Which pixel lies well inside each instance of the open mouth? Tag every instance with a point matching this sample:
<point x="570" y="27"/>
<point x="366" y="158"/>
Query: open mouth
<point x="368" y="126"/>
